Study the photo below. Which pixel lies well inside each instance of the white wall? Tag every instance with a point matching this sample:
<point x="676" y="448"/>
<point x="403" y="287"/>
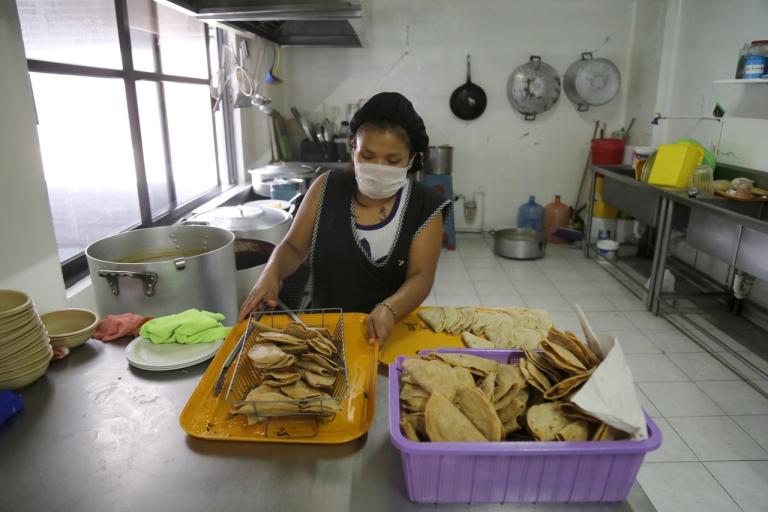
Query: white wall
<point x="500" y="152"/>
<point x="701" y="43"/>
<point x="28" y="256"/>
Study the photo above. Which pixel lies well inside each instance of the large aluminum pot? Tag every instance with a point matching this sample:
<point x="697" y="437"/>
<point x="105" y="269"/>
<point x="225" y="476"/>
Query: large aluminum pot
<point x="251" y="257"/>
<point x="533" y="88"/>
<point x="248" y="221"/>
<point x="590" y="81"/>
<point x="519" y="244"/>
<point x="439" y="160"/>
<point x="165" y="270"/>
<point x="262" y="177"/>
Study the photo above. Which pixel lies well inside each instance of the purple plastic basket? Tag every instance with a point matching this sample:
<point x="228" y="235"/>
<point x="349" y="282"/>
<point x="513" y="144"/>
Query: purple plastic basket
<point x="519" y="471"/>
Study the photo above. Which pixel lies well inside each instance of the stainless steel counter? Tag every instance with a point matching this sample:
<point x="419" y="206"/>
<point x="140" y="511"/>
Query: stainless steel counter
<point x="98" y="435"/>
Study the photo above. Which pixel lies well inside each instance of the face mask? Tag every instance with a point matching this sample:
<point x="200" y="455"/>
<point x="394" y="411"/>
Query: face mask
<point x="379" y="181"/>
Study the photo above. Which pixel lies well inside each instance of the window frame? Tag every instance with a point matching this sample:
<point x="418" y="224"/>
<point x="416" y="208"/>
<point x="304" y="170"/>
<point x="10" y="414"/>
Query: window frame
<point x="76" y="267"/>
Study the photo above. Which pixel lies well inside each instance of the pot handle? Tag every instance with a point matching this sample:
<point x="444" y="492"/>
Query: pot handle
<point x="535" y="58"/>
<point x="582" y="107"/>
<point x="149" y="279"/>
<point x="586" y="56"/>
<point x="492" y="232"/>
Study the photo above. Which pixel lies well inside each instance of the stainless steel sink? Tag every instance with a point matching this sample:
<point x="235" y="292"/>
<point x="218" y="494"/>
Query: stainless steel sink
<point x="638" y="199"/>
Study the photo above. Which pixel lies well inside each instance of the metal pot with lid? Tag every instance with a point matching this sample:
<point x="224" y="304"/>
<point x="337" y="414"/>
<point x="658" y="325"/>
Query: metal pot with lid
<point x="591" y="82"/>
<point x="165" y="270"/>
<point x="533" y="88"/>
<point x="252" y="222"/>
<point x="262" y="177"/>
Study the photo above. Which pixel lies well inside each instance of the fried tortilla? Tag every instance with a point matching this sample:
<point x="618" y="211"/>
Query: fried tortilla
<point x="300" y="390"/>
<point x="321" y="360"/>
<point x="279" y="378"/>
<point x="316" y="380"/>
<point x="476" y="342"/>
<point x="562" y="358"/>
<point x="567" y="386"/>
<point x="578" y="430"/>
<point x="477" y="365"/>
<point x="546" y="420"/>
<point x="433" y="317"/>
<point x="269" y="356"/>
<point x="445" y="423"/>
<point x="408" y="431"/>
<point x="475" y="406"/>
<point x="433" y="376"/>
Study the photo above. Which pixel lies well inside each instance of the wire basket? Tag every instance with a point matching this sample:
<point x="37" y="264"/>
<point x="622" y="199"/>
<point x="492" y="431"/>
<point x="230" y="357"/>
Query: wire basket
<point x="246" y="376"/>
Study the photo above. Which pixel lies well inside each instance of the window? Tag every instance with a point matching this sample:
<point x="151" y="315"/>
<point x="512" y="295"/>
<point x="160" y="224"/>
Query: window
<point x="127" y="134"/>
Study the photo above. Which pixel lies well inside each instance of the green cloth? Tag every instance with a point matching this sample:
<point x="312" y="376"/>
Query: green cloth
<point x="190" y="326"/>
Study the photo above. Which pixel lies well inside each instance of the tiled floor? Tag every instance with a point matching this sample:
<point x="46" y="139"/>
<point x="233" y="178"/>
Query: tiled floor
<point x="714" y="455"/>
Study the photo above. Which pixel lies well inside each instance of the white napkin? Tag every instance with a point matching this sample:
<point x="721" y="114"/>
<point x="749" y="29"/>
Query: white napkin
<point x="610" y="393"/>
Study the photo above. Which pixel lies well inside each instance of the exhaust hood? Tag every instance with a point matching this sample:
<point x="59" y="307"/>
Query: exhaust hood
<point x="323" y="23"/>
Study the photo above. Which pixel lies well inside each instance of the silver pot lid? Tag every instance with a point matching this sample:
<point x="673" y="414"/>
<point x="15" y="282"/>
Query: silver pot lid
<point x="244" y="218"/>
<point x="533" y="88"/>
<point x="283" y="169"/>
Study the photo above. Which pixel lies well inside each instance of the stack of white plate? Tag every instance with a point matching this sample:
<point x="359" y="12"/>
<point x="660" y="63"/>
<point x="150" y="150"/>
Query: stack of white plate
<point x="25" y="350"/>
<point x="144" y="354"/>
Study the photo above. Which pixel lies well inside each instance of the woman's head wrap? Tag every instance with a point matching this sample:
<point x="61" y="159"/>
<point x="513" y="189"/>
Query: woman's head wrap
<point x="394" y="108"/>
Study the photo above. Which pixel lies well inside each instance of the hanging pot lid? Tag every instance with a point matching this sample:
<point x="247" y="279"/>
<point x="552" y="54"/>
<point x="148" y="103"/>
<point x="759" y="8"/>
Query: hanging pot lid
<point x="533" y="88"/>
<point x="591" y="81"/>
<point x="284" y="170"/>
<point x="242" y="218"/>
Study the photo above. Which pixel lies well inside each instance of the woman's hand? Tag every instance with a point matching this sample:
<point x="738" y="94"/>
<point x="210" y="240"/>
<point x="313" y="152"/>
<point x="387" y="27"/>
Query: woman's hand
<point x="265" y="289"/>
<point x="380" y="324"/>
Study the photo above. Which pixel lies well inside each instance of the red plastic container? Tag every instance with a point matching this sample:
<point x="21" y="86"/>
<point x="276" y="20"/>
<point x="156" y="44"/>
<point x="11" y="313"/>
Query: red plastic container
<point x="607" y="151"/>
<point x="511" y="472"/>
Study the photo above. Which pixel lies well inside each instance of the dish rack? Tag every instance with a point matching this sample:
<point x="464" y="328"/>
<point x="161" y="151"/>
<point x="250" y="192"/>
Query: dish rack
<point x="246" y="376"/>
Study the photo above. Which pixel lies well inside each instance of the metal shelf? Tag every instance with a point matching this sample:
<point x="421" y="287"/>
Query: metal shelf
<point x="743" y="81"/>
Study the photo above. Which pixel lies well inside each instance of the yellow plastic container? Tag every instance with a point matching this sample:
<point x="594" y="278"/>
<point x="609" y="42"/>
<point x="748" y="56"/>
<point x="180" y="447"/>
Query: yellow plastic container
<point x="601" y="208"/>
<point x="674" y="164"/>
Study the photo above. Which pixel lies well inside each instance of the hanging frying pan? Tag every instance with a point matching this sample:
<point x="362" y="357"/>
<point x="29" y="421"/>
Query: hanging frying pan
<point x="468" y="101"/>
<point x="533" y="88"/>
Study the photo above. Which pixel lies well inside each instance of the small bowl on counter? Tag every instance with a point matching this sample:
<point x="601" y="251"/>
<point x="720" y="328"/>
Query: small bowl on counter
<point x="70" y="328"/>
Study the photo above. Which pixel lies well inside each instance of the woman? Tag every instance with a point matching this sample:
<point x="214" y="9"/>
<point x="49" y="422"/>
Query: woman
<point x="372" y="237"/>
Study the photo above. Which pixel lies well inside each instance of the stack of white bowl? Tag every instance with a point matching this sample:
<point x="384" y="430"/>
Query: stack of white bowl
<point x="25" y="350"/>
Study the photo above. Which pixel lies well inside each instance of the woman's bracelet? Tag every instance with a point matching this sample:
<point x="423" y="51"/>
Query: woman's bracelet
<point x="390" y="308"/>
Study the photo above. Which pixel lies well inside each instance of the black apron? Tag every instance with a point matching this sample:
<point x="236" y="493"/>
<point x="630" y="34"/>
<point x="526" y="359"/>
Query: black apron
<point x="344" y="276"/>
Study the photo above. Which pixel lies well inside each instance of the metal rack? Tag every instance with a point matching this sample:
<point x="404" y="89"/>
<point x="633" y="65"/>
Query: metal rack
<point x="246" y="376"/>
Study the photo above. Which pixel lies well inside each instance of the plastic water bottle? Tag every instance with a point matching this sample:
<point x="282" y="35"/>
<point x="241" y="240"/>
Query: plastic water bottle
<point x="530" y="215"/>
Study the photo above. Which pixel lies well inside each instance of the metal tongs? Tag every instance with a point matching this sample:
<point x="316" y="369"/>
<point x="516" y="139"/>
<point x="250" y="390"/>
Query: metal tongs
<point x="254" y="317"/>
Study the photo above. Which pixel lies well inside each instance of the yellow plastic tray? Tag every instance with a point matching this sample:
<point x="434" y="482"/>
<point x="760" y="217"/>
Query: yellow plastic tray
<point x="411" y="335"/>
<point x="207" y="417"/>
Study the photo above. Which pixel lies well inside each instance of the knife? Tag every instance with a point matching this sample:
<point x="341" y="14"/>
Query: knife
<point x="235" y="351"/>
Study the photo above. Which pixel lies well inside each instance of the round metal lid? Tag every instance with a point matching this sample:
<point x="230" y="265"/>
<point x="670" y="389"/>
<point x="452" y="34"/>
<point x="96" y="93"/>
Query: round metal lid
<point x="244" y="217"/>
<point x="284" y="169"/>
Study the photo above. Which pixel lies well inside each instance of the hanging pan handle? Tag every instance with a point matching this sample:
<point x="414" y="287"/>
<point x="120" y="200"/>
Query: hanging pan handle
<point x="469" y="74"/>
